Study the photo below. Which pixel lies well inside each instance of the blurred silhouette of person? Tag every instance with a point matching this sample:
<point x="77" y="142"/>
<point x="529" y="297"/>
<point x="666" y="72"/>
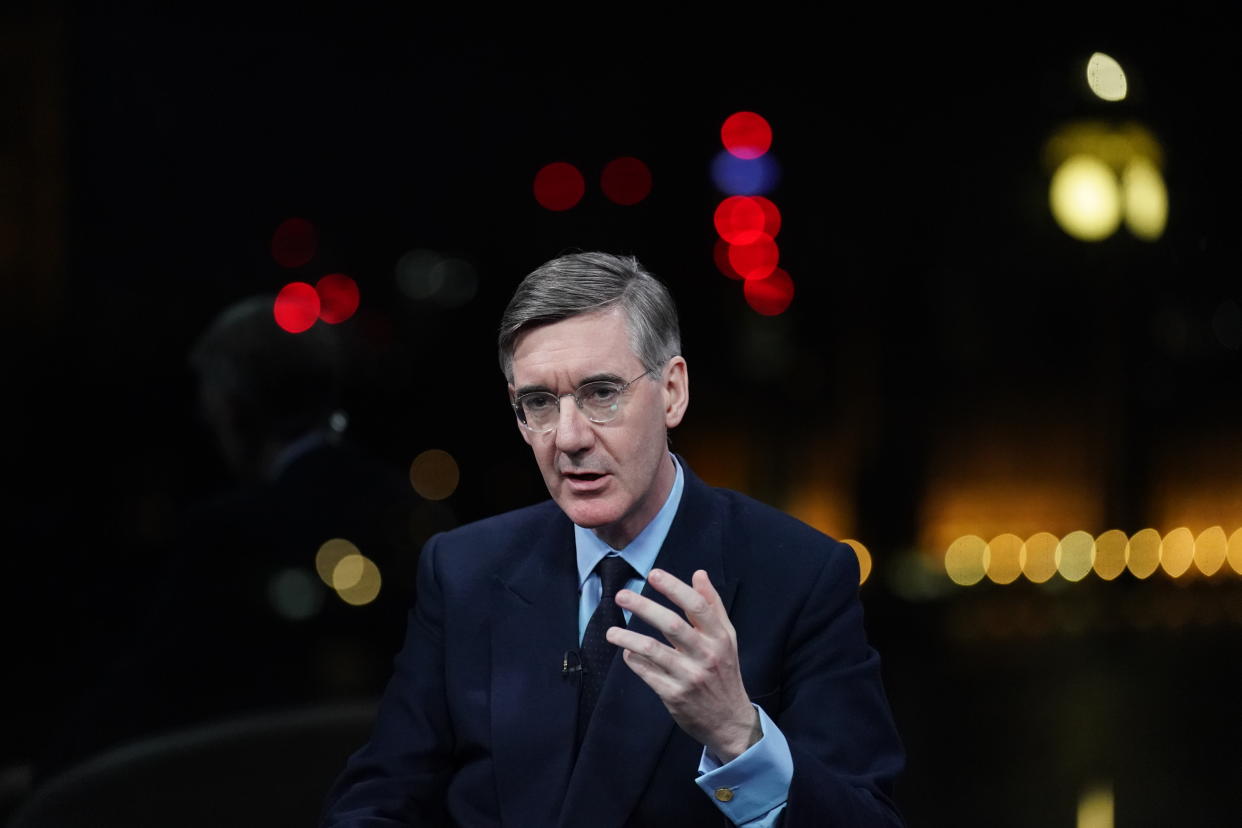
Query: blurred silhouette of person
<point x="242" y="619"/>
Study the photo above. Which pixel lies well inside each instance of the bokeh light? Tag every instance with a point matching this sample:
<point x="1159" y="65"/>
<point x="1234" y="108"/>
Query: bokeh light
<point x="1211" y="550"/>
<point x="294" y="595"/>
<point x="331" y="553"/>
<point x="1106" y="78"/>
<point x="294" y="242"/>
<point x="1075" y="555"/>
<point x="1085" y="199"/>
<point x="740" y="220"/>
<point x="771" y="215"/>
<point x="963" y="560"/>
<point x="296" y="307"/>
<point x="736" y="176"/>
<point x="756" y="259"/>
<point x="746" y="135"/>
<point x="625" y="181"/>
<point x="559" y="186"/>
<point x="864" y="559"/>
<point x="1177" y="551"/>
<point x="356" y="580"/>
<point x="1039" y="557"/>
<point x="1235" y="551"/>
<point x="434" y="474"/>
<point x="1146" y="199"/>
<point x="771" y="295"/>
<point x="1143" y="553"/>
<point x="338" y="297"/>
<point x="1110" y="554"/>
<point x="1095" y="807"/>
<point x="1002" y="560"/>
<point x="720" y="255"/>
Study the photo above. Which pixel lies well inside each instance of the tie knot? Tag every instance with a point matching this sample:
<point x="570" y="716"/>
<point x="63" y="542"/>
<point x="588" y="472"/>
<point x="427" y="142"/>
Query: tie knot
<point x="614" y="571"/>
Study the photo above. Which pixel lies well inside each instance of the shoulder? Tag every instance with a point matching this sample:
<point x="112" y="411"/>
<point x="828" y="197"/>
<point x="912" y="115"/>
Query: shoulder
<point x="495" y="544"/>
<point x="760" y="541"/>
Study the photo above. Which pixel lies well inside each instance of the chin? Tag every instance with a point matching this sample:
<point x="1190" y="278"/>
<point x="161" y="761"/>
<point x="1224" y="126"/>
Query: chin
<point x="589" y="515"/>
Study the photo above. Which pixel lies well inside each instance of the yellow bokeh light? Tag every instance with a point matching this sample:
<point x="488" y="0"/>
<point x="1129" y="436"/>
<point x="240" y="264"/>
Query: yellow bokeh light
<point x="434" y="474"/>
<point x="1002" y="559"/>
<point x="329" y="555"/>
<point x="1146" y="199"/>
<point x="963" y="560"/>
<point x="1106" y="77"/>
<point x="1235" y="551"/>
<point x="347" y="572"/>
<point x="864" y="560"/>
<point x="1177" y="550"/>
<point x="1110" y="554"/>
<point x="1143" y="553"/>
<point x="1095" y="807"/>
<point x="1085" y="198"/>
<point x="356" y="580"/>
<point x="1211" y="550"/>
<point x="1039" y="557"/>
<point x="1075" y="555"/>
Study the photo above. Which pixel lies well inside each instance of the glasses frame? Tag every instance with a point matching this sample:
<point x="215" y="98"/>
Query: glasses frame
<point x="516" y="403"/>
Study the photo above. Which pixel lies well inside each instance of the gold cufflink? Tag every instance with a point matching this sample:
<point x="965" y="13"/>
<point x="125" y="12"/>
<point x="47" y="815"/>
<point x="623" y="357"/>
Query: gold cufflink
<point x="724" y="794"/>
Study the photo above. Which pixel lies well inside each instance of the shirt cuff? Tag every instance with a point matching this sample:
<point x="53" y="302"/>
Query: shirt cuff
<point x="755" y="785"/>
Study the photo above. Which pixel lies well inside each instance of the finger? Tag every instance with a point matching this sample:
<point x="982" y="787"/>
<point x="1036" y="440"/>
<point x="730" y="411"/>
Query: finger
<point x="702" y="613"/>
<point x="660" y="656"/>
<point x="655" y="678"/>
<point x="674" y="627"/>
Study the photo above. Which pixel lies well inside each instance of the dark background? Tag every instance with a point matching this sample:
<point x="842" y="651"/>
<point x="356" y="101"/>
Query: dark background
<point x="147" y="156"/>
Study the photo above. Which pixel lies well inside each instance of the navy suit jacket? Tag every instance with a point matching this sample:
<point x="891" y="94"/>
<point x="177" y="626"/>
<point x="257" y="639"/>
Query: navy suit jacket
<point x="477" y="724"/>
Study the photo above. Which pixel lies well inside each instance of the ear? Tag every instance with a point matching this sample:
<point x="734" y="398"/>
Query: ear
<point x="676" y="388"/>
<point x="526" y="435"/>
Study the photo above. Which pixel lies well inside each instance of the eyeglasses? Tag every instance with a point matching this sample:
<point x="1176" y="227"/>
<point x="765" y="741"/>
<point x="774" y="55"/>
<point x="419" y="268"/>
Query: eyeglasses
<point x="539" y="411"/>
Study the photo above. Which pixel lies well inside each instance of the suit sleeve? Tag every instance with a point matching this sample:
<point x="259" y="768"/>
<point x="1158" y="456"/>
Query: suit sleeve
<point x="400" y="777"/>
<point x="833" y="710"/>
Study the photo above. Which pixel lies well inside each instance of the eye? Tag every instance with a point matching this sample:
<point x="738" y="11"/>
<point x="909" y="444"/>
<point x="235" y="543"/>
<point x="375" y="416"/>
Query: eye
<point x="534" y="403"/>
<point x="600" y="393"/>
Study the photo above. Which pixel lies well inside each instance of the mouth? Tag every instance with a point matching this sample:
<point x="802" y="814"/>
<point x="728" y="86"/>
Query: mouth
<point x="583" y="481"/>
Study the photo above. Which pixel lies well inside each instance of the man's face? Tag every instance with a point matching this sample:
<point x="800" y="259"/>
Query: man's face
<point x="612" y="477"/>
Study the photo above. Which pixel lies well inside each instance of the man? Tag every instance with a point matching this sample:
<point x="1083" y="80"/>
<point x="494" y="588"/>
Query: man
<point x="745" y="692"/>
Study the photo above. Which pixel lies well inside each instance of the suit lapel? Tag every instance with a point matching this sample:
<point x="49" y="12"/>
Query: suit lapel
<point x="631" y="726"/>
<point x="534" y="706"/>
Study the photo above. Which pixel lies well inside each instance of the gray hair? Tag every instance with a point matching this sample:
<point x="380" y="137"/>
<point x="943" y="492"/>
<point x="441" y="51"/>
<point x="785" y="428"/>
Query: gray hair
<point x="587" y="283"/>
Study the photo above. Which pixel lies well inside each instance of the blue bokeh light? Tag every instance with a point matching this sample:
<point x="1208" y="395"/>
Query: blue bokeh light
<point x="737" y="176"/>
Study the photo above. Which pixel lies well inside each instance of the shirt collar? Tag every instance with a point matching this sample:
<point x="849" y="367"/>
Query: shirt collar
<point x="642" y="551"/>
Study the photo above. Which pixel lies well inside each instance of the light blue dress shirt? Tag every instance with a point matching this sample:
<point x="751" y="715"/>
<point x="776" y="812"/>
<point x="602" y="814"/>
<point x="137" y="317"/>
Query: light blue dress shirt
<point x="758" y="779"/>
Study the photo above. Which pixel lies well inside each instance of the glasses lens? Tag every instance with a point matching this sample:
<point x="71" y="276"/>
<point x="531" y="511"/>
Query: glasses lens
<point x="600" y="400"/>
<point x="538" y="410"/>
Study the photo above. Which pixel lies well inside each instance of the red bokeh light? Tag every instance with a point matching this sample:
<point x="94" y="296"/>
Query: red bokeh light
<point x="625" y="181"/>
<point x="771" y="215"/>
<point x="769" y="296"/>
<point x="746" y="135"/>
<point x="739" y="220"/>
<point x="720" y="254"/>
<point x="297" y="307"/>
<point x="559" y="186"/>
<point x="294" y="242"/>
<point x="338" y="297"/>
<point x="756" y="259"/>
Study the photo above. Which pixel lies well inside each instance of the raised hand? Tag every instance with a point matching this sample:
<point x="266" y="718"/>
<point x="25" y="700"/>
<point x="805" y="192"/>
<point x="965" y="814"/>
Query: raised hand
<point x="698" y="678"/>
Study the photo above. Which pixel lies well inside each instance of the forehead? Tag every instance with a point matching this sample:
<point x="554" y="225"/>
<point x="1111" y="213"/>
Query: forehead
<point x="574" y="348"/>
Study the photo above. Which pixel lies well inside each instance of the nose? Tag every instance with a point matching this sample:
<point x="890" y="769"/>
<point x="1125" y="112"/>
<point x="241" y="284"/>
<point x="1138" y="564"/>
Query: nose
<point x="574" y="432"/>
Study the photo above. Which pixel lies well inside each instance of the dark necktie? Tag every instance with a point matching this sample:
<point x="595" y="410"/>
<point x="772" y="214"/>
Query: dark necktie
<point x="597" y="653"/>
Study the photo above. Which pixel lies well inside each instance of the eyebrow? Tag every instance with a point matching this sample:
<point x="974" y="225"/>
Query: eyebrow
<point x="530" y="389"/>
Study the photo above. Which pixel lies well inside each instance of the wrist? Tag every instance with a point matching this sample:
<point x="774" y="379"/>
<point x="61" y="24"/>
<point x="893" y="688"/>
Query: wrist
<point x="747" y="732"/>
